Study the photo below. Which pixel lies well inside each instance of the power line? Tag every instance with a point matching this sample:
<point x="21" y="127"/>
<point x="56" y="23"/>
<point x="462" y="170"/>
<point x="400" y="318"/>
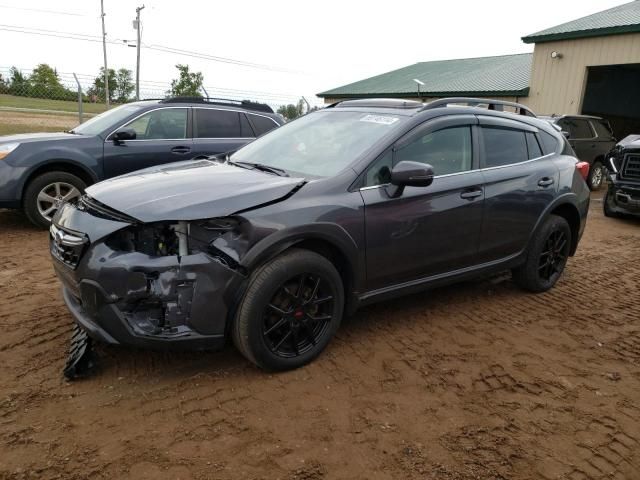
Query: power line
<point x="160" y="48"/>
<point x="54" y="12"/>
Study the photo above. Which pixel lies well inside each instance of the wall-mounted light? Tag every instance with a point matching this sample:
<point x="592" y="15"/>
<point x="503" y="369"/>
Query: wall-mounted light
<point x="555" y="54"/>
<point x="419" y="82"/>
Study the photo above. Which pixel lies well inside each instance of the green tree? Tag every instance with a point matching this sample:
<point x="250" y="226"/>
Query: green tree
<point x="45" y="83"/>
<point x="19" y="83"/>
<point x="291" y="111"/>
<point x="124" y="85"/>
<point x="188" y="84"/>
<point x="4" y="85"/>
<point x="97" y="89"/>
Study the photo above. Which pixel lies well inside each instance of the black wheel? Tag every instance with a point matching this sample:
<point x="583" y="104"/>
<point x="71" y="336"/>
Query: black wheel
<point x="47" y="192"/>
<point x="291" y="309"/>
<point x="596" y="176"/>
<point x="547" y="256"/>
<point x="607" y="206"/>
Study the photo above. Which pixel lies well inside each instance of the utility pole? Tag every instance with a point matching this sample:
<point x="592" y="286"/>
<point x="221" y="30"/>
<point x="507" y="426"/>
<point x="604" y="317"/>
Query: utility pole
<point x="104" y="51"/>
<point x="137" y="26"/>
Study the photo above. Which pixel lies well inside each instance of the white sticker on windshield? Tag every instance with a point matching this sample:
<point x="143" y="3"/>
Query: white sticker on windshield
<point x="379" y="119"/>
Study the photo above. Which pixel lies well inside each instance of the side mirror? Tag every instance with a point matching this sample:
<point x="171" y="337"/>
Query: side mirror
<point x="409" y="174"/>
<point x="123" y="134"/>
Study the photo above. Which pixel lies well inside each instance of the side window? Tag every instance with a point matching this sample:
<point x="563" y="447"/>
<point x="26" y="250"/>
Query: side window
<point x="504" y="146"/>
<point x="533" y="146"/>
<point x="245" y="129"/>
<point x="577" y="128"/>
<point x="602" y="129"/>
<point x="549" y="142"/>
<point x="211" y="123"/>
<point x="262" y="124"/>
<point x="163" y="124"/>
<point x="447" y="151"/>
<point x="379" y="172"/>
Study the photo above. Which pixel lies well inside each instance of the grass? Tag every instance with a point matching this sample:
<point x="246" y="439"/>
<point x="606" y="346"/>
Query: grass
<point x="8" y="129"/>
<point x="46" y="104"/>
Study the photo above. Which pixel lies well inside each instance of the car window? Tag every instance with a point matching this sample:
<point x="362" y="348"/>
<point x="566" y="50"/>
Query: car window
<point x="262" y="124"/>
<point x="245" y="128"/>
<point x="163" y="124"/>
<point x="577" y="128"/>
<point x="533" y="146"/>
<point x="602" y="129"/>
<point x="504" y="146"/>
<point x="211" y="123"/>
<point x="549" y="142"/>
<point x="379" y="173"/>
<point x="107" y="120"/>
<point x="447" y="151"/>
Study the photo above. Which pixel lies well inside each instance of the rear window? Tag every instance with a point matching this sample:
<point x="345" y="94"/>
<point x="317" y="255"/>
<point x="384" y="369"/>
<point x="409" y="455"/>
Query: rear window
<point x="211" y="123"/>
<point x="262" y="124"/>
<point x="577" y="128"/>
<point x="503" y="146"/>
<point x="602" y="129"/>
<point x="549" y="142"/>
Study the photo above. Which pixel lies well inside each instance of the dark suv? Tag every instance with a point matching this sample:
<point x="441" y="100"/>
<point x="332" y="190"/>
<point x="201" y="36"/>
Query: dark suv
<point x="358" y="202"/>
<point x="40" y="171"/>
<point x="623" y="195"/>
<point x="591" y="139"/>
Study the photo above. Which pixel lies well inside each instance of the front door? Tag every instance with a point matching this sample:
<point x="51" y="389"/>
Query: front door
<point x="431" y="230"/>
<point x="161" y="137"/>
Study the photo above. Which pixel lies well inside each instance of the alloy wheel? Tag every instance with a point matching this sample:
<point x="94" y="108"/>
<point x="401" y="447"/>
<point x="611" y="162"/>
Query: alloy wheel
<point x="298" y="315"/>
<point x="596" y="177"/>
<point x="554" y="255"/>
<point x="52" y="196"/>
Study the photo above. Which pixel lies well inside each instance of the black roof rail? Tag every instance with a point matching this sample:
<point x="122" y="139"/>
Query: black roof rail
<point x="246" y="104"/>
<point x="472" y="102"/>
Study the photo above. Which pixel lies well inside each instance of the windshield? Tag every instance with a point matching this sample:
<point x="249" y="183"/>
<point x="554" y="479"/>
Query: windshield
<point x="320" y="144"/>
<point x="109" y="119"/>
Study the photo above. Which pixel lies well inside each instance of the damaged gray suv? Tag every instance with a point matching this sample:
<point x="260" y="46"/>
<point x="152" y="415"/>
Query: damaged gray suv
<point x="359" y="202"/>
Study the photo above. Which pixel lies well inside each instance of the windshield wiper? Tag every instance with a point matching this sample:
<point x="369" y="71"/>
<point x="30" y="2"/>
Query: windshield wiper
<point x="262" y="167"/>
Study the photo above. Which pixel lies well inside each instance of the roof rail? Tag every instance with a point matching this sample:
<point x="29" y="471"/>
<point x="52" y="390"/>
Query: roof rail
<point x="473" y="102"/>
<point x="246" y="104"/>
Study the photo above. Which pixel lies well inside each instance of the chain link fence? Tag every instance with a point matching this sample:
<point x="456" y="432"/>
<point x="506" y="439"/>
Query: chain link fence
<point x="45" y="100"/>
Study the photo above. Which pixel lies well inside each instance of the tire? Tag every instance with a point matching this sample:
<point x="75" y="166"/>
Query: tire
<point x="45" y="193"/>
<point x="542" y="270"/>
<point x="606" y="207"/>
<point x="596" y="177"/>
<point x="282" y="323"/>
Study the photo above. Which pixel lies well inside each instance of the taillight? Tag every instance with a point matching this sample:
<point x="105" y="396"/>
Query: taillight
<point x="583" y="169"/>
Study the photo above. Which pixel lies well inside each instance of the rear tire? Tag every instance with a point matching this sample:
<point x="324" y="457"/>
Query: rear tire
<point x="290" y="311"/>
<point x="596" y="176"/>
<point x="46" y="193"/>
<point x="547" y="256"/>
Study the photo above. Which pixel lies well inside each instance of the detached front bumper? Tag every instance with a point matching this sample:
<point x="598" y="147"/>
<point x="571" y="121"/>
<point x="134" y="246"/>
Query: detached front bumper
<point x="130" y="298"/>
<point x="623" y="197"/>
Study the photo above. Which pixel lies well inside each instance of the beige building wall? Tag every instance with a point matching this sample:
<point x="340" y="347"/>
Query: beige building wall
<point x="557" y="84"/>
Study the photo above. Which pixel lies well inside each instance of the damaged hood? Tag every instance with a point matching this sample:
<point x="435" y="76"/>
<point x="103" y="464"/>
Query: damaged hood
<point x="191" y="190"/>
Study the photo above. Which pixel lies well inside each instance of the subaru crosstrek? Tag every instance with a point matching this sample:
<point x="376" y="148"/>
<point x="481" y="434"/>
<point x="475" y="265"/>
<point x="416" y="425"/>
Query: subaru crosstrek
<point x="358" y="202"/>
<point x="40" y="171"/>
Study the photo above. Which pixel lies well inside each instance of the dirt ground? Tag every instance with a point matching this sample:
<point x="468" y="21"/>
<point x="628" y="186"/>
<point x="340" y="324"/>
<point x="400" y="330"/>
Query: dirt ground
<point x="475" y="381"/>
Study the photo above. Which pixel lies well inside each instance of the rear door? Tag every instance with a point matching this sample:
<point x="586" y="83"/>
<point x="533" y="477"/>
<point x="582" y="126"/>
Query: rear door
<point x="162" y="136"/>
<point x="581" y="137"/>
<point x="604" y="140"/>
<point x="431" y="230"/>
<point x="217" y="130"/>
<point x="262" y="123"/>
<point x="519" y="182"/>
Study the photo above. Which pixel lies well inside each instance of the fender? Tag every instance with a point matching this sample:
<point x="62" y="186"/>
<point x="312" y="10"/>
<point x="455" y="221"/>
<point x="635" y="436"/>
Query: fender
<point x="331" y="233"/>
<point x="568" y="198"/>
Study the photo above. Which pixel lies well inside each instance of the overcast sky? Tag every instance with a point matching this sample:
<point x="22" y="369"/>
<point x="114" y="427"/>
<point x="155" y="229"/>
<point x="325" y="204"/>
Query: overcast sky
<point x="308" y="45"/>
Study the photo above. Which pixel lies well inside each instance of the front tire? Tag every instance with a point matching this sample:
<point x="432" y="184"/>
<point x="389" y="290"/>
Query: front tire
<point x="596" y="176"/>
<point x="47" y="192"/>
<point x="291" y="309"/>
<point x="547" y="256"/>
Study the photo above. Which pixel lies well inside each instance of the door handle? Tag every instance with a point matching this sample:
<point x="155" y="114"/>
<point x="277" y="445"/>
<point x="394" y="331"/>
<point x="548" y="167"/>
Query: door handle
<point x="180" y="150"/>
<point x="471" y="194"/>
<point x="545" y="182"/>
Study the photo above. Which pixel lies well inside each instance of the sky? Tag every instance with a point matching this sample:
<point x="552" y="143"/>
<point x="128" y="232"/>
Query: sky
<point x="295" y="48"/>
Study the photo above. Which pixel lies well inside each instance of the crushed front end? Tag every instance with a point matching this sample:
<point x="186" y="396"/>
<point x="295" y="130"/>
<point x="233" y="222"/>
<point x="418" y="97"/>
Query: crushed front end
<point x="623" y="194"/>
<point x="171" y="283"/>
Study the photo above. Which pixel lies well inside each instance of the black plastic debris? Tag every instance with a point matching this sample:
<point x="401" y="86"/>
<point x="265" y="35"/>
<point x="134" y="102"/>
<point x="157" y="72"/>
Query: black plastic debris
<point x="81" y="361"/>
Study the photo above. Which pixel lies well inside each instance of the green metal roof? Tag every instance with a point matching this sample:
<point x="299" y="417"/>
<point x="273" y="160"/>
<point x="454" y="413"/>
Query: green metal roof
<point x="621" y="19"/>
<point x="506" y="75"/>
